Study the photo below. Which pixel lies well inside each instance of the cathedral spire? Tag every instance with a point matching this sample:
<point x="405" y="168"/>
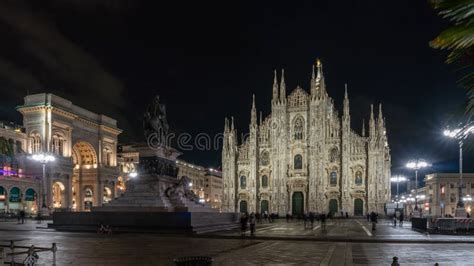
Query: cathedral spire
<point x="275" y="86"/>
<point x="363" y="127"/>
<point x="282" y="87"/>
<point x="320" y="79"/>
<point x="346" y="103"/>
<point x="372" y="122"/>
<point x="253" y="113"/>
<point x="380" y="120"/>
<point x="260" y="118"/>
<point x="314" y="87"/>
<point x="226" y="125"/>
<point x="232" y="124"/>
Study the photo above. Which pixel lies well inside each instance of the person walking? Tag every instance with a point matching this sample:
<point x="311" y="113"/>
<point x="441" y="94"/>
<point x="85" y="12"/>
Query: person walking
<point x="311" y="219"/>
<point x="243" y="223"/>
<point x="347" y="215"/>
<point x="401" y="219"/>
<point x="252" y="224"/>
<point x="22" y="216"/>
<point x="373" y="219"/>
<point x="322" y="217"/>
<point x="368" y="217"/>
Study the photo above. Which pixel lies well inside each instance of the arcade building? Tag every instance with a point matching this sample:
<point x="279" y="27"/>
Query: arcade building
<point x="85" y="171"/>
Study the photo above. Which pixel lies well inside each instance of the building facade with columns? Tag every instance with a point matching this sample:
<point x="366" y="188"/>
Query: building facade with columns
<point x="85" y="172"/>
<point x="305" y="157"/>
<point x="17" y="190"/>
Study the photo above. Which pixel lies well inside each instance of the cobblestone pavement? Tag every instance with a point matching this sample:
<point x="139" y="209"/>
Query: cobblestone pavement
<point x="154" y="249"/>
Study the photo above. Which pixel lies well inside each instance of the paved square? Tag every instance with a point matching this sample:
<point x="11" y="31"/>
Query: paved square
<point x="155" y="249"/>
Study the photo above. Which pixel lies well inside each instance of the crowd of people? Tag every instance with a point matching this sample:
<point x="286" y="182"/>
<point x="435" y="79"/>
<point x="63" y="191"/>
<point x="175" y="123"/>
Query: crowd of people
<point x="250" y="220"/>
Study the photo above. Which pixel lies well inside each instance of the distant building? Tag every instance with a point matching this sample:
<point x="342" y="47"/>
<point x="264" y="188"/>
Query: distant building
<point x="17" y="190"/>
<point x="213" y="187"/>
<point x="195" y="173"/>
<point x="84" y="144"/>
<point x="207" y="182"/>
<point x="441" y="192"/>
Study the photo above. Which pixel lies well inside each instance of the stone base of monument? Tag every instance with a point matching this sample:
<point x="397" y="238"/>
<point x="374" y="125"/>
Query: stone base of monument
<point x="152" y="202"/>
<point x="139" y="221"/>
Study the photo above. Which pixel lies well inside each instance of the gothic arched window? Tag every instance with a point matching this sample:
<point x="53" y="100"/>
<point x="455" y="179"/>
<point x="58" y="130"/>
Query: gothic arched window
<point x="265" y="158"/>
<point x="264" y="181"/>
<point x="299" y="125"/>
<point x="298" y="162"/>
<point x="358" y="178"/>
<point x="333" y="178"/>
<point x="243" y="182"/>
<point x="333" y="155"/>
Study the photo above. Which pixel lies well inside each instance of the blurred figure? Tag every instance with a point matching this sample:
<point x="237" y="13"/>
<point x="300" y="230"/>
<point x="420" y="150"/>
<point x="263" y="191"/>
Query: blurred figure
<point x="252" y="224"/>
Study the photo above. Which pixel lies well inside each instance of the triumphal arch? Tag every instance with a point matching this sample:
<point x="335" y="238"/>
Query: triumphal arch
<point x="85" y="172"/>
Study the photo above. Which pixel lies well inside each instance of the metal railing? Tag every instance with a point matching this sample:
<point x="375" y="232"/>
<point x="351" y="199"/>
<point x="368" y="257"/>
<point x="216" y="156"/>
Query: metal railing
<point x="31" y="253"/>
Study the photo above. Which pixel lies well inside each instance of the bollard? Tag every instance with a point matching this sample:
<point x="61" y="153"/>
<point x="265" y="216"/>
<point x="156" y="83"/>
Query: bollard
<point x="395" y="262"/>
<point x="54" y="248"/>
<point x="2" y="256"/>
<point x="12" y="247"/>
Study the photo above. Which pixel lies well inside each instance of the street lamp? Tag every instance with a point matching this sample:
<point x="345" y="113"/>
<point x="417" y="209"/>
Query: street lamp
<point x="460" y="134"/>
<point x="397" y="179"/>
<point x="43" y="158"/>
<point x="417" y="165"/>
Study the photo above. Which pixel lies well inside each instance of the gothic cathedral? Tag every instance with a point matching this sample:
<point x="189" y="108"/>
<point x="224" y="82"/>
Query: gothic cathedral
<point x="304" y="157"/>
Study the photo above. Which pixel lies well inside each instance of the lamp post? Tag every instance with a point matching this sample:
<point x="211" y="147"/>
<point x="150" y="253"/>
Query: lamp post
<point x="43" y="158"/>
<point x="460" y="134"/>
<point x="398" y="179"/>
<point x="417" y="165"/>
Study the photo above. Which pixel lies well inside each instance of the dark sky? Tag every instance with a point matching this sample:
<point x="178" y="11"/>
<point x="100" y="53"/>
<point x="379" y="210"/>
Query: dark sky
<point x="206" y="59"/>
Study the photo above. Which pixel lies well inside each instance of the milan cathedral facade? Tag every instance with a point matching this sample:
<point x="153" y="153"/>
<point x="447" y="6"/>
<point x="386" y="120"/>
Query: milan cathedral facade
<point x="304" y="157"/>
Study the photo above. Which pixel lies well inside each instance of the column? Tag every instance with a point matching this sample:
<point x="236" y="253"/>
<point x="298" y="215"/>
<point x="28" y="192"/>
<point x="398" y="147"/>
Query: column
<point x="68" y="192"/>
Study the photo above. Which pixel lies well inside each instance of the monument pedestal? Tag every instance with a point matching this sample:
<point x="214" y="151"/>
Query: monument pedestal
<point x="155" y="200"/>
<point x="460" y="212"/>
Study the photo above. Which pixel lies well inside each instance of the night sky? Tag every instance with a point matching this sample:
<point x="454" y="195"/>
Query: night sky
<point x="207" y="59"/>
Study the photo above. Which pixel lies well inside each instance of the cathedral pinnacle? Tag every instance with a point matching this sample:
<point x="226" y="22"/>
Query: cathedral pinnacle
<point x="232" y="124"/>
<point x="282" y="87"/>
<point x="253" y="113"/>
<point x="275" y="86"/>
<point x="346" y="102"/>
<point x="363" y="128"/>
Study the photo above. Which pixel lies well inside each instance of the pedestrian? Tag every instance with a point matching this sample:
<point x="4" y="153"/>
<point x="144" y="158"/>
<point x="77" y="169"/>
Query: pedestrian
<point x="401" y="218"/>
<point x="311" y="219"/>
<point x="373" y="219"/>
<point x="22" y="216"/>
<point x="395" y="220"/>
<point x="243" y="223"/>
<point x="368" y="216"/>
<point x="252" y="224"/>
<point x="288" y="217"/>
<point x="18" y="216"/>
<point x="322" y="217"/>
<point x="305" y="220"/>
<point x="347" y="215"/>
